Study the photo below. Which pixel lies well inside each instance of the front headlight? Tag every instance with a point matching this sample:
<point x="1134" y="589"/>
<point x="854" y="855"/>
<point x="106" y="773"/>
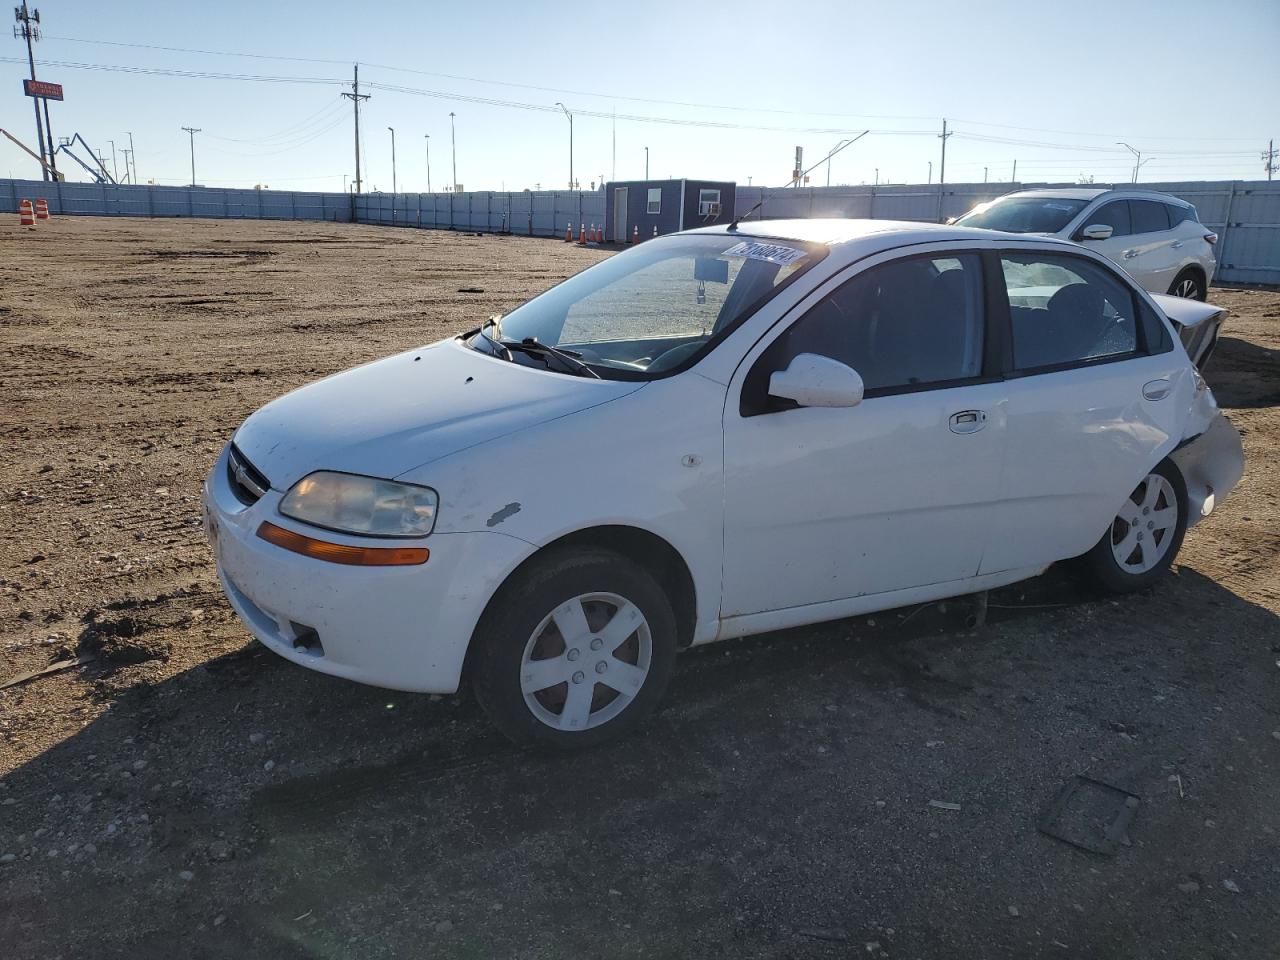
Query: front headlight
<point x="362" y="505"/>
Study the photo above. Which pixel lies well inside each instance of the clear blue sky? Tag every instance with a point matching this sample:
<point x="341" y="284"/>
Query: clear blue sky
<point x="1194" y="85"/>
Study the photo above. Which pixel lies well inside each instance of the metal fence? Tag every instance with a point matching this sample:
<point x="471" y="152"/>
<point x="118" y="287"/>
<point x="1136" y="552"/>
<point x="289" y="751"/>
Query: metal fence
<point x="544" y="213"/>
<point x="1245" y="214"/>
<point x="147" y="200"/>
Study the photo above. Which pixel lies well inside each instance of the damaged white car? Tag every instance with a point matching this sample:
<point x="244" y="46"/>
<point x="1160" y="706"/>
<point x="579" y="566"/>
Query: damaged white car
<point x="718" y="433"/>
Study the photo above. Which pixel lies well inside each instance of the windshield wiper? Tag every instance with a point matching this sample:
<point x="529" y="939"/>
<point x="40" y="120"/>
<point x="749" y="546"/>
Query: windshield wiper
<point x="496" y="322"/>
<point x="567" y="358"/>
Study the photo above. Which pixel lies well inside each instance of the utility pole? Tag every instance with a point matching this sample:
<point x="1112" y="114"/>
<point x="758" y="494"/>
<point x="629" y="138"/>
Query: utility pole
<point x="115" y="171"/>
<point x="355" y="96"/>
<point x="28" y="29"/>
<point x="127" y="154"/>
<point x="984" y="174"/>
<point x="191" y="132"/>
<point x="453" y="143"/>
<point x="646" y="163"/>
<point x="1269" y="158"/>
<point x="930" y="180"/>
<point x="134" y="177"/>
<point x="570" y="116"/>
<point x="427" y="137"/>
<point x="1014" y="178"/>
<point x="942" y="167"/>
<point x="613" y="170"/>
<point x="393" y="173"/>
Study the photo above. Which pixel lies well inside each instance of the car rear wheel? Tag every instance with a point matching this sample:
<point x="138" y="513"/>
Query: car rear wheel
<point x="1142" y="540"/>
<point x="575" y="651"/>
<point x="1189" y="284"/>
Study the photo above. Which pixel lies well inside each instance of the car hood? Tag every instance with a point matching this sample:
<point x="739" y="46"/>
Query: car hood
<point x="390" y="416"/>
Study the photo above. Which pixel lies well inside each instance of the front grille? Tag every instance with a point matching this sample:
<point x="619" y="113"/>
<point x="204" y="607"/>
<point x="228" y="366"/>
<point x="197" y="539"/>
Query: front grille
<point x="247" y="481"/>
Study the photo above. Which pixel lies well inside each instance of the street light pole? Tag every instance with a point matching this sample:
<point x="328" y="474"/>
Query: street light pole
<point x="115" y="171"/>
<point x="192" y="131"/>
<point x="427" y="137"/>
<point x="834" y="151"/>
<point x="393" y="173"/>
<point x="646" y="163"/>
<point x="1137" y="158"/>
<point x="133" y="161"/>
<point x="570" y="116"/>
<point x="453" y="142"/>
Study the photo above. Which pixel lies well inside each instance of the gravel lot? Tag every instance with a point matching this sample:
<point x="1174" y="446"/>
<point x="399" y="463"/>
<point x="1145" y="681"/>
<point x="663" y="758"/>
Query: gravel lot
<point x="185" y="792"/>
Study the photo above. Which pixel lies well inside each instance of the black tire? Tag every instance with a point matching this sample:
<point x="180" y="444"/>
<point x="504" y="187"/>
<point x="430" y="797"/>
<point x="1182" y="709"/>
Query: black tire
<point x="525" y="601"/>
<point x="1190" y="284"/>
<point x="1101" y="563"/>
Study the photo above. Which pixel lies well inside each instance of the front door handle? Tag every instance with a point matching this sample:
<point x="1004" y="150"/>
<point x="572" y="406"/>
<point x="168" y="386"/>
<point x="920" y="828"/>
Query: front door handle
<point x="1177" y="244"/>
<point x="968" y="421"/>
<point x="1130" y="254"/>
<point x="1156" y="389"/>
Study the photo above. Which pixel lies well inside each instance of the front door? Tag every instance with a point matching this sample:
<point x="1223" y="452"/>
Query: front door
<point x="619" y="215"/>
<point x="824" y="504"/>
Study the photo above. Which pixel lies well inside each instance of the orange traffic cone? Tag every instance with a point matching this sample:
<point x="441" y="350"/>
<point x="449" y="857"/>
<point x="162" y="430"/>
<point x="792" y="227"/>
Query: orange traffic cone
<point x="27" y="214"/>
<point x="635" y="235"/>
<point x="582" y="234"/>
<point x="42" y="210"/>
<point x="568" y="233"/>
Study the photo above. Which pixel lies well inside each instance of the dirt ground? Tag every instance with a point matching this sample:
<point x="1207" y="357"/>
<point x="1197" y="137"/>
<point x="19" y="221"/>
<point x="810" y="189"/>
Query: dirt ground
<point x="184" y="792"/>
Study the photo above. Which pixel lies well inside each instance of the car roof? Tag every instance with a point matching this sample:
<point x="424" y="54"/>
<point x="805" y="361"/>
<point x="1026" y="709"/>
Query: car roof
<point x="882" y="234"/>
<point x="1092" y="193"/>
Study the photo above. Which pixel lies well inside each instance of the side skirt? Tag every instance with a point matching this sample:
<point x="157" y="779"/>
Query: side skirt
<point x="752" y="623"/>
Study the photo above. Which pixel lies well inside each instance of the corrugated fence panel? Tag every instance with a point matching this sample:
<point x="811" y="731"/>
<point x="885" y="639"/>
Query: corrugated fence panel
<point x="1246" y="214"/>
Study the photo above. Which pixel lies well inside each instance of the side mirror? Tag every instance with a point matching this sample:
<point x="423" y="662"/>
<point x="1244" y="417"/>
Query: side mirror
<point x="816" y="381"/>
<point x="1096" y="231"/>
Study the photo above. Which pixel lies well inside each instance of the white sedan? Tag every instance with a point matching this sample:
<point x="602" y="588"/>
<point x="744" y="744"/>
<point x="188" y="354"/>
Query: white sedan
<point x="717" y="433"/>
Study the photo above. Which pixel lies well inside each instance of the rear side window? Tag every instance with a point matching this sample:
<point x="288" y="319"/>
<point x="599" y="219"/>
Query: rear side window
<point x="1179" y="214"/>
<point x="1066" y="311"/>
<point x="1114" y="215"/>
<point x="901" y="325"/>
<point x="1149" y="216"/>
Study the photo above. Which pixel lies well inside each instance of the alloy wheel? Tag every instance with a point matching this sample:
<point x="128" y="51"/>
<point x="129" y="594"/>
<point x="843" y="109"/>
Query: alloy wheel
<point x="1144" y="528"/>
<point x="1187" y="287"/>
<point x="586" y="661"/>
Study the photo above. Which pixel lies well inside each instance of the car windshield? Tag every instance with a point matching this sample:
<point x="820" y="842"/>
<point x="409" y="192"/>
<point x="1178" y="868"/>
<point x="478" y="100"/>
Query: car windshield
<point x="653" y="308"/>
<point x="1024" y="214"/>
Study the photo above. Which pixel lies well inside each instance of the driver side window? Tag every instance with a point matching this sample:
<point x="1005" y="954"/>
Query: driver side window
<point x="904" y="325"/>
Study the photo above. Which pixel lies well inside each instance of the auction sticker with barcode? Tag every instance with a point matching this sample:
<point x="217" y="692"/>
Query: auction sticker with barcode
<point x="769" y="252"/>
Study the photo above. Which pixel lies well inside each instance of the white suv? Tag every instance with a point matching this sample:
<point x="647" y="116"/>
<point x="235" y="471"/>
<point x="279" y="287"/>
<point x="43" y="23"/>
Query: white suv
<point x="1156" y="237"/>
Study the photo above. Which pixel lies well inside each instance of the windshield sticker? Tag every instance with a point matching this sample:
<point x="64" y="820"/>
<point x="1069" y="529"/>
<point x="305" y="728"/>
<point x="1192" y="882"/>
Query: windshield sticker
<point x="1065" y="207"/>
<point x="769" y="252"/>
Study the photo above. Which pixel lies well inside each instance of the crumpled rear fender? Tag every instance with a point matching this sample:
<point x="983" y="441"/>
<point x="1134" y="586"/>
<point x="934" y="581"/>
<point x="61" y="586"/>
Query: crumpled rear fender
<point x="1211" y="464"/>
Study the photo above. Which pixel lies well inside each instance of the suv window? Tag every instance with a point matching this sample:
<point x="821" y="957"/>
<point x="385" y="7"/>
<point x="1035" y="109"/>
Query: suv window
<point x="901" y="325"/>
<point x="1114" y="215"/>
<point x="1149" y="216"/>
<point x="1066" y="310"/>
<point x="1178" y="213"/>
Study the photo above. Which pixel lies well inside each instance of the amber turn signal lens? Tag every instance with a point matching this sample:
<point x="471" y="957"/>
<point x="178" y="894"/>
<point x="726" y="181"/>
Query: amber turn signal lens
<point x="340" y="553"/>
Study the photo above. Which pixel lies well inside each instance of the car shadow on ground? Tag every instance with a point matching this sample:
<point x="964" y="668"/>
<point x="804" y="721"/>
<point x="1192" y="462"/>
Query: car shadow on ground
<point x="780" y="805"/>
<point x="1244" y="374"/>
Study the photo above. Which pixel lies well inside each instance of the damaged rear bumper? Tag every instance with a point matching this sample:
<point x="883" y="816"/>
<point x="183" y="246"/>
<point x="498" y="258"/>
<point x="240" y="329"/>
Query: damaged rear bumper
<point x="1211" y="463"/>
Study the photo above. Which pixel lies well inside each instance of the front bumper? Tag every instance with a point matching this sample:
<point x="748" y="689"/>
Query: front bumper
<point x="406" y="628"/>
<point x="1211" y="465"/>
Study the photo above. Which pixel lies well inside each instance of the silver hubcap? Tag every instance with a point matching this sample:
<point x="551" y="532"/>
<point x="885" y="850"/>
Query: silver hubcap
<point x="1187" y="288"/>
<point x="586" y="661"/>
<point x="1143" y="529"/>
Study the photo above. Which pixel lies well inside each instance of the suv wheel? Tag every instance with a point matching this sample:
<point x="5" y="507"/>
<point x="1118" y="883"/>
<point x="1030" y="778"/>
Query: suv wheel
<point x="1189" y="284"/>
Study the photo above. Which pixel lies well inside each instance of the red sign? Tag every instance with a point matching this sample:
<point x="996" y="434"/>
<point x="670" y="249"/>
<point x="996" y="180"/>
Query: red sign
<point x="42" y="88"/>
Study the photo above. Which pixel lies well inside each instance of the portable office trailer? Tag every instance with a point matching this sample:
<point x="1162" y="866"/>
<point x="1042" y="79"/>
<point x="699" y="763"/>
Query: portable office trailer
<point x="633" y="206"/>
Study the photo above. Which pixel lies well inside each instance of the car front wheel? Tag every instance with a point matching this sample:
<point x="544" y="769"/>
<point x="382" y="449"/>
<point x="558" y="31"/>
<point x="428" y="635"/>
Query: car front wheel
<point x="1142" y="540"/>
<point x="575" y="650"/>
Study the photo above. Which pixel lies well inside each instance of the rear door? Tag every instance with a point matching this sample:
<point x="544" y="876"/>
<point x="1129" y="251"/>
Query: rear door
<point x="1094" y="392"/>
<point x="1156" y="260"/>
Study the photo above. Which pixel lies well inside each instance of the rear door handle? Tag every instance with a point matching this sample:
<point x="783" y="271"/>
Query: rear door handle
<point x="1156" y="389"/>
<point x="1177" y="244"/>
<point x="1130" y="254"/>
<point x="968" y="421"/>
